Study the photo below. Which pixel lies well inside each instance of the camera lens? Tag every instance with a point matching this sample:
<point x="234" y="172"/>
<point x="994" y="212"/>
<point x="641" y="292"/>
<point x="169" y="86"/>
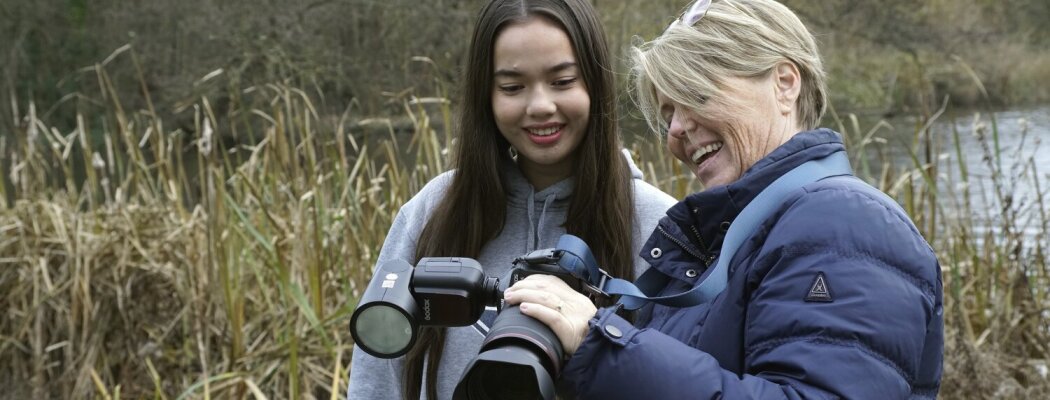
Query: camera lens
<point x="498" y="380"/>
<point x="519" y="358"/>
<point x="383" y="329"/>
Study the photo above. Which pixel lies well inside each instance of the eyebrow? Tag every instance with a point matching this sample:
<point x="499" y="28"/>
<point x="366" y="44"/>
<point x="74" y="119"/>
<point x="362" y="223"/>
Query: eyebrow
<point x="556" y="68"/>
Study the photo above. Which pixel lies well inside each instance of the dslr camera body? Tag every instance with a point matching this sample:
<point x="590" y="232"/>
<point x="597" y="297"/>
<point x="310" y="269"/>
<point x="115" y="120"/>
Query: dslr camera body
<point x="520" y="357"/>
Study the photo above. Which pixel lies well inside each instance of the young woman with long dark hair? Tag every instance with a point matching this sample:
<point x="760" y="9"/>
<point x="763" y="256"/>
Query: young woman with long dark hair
<point x="537" y="155"/>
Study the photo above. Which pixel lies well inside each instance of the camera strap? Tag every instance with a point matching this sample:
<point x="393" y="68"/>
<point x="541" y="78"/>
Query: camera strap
<point x="635" y="295"/>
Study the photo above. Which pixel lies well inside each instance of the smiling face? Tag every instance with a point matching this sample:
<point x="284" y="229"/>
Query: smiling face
<point x="539" y="98"/>
<point x="727" y="135"/>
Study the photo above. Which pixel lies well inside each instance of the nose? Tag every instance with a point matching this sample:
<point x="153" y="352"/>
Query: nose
<point x="678" y="127"/>
<point x="541" y="103"/>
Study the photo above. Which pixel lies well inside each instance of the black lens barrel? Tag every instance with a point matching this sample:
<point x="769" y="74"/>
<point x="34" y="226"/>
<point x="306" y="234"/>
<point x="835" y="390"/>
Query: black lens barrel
<point x="520" y="358"/>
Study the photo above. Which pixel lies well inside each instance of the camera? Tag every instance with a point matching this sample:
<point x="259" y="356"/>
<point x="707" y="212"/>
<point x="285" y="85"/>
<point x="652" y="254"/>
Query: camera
<point x="520" y="357"/>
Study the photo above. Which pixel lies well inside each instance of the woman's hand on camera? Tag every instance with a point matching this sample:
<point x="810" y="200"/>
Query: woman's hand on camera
<point x="554" y="303"/>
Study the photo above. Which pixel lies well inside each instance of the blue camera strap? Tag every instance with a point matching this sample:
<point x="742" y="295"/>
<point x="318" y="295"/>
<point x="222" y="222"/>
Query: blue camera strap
<point x="577" y="258"/>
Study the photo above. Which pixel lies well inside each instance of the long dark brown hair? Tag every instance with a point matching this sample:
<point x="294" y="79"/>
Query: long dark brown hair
<point x="474" y="209"/>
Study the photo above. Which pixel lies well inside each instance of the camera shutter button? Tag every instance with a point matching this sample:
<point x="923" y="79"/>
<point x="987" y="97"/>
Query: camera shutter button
<point x="613" y="331"/>
<point x="656" y="252"/>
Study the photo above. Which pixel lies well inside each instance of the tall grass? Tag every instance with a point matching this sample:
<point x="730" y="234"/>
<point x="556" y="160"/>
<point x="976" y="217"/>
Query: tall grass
<point x="222" y="260"/>
<point x="139" y="261"/>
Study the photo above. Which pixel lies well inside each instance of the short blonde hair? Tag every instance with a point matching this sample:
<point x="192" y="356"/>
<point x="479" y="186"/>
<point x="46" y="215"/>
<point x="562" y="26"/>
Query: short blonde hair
<point x="736" y="38"/>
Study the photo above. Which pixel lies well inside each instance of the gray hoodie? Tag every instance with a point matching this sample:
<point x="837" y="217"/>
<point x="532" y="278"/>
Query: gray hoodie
<point x="534" y="221"/>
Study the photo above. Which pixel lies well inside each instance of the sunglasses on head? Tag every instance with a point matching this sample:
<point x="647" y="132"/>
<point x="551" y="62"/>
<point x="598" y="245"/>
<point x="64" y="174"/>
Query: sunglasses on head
<point x="696" y="11"/>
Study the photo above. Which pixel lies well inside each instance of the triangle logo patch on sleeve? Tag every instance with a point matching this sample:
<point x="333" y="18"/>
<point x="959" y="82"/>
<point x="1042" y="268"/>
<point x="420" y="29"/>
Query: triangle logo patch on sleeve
<point x="819" y="291"/>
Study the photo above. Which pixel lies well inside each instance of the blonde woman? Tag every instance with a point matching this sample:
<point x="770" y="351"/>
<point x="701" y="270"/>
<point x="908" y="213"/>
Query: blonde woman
<point x="831" y="294"/>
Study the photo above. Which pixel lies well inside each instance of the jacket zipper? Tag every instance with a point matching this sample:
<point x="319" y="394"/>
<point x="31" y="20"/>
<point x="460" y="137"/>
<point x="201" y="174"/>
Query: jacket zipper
<point x="707" y="260"/>
<point x="680" y="244"/>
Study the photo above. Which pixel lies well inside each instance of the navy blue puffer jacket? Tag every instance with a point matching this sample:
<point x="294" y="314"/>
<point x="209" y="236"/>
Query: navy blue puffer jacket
<point x="836" y="295"/>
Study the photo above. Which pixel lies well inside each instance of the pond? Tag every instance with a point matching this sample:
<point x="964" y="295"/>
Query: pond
<point x="1001" y="152"/>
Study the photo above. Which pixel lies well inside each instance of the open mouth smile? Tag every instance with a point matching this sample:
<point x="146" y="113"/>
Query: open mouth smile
<point x="704" y="153"/>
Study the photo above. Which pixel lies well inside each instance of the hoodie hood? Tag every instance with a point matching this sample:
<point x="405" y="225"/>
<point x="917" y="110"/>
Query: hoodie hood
<point x="539" y="205"/>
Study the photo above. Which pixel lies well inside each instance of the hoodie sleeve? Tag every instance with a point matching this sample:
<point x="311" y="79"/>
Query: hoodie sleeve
<point x="377" y="378"/>
<point x="650" y="204"/>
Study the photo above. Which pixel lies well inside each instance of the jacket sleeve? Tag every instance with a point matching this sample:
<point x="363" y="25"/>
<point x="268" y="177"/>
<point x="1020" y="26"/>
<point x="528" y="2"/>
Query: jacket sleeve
<point x="866" y="342"/>
<point x="620" y="361"/>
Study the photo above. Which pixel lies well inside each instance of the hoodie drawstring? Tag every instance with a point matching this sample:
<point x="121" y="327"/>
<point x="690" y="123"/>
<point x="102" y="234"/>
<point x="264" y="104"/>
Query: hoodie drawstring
<point x="535" y="230"/>
<point x="543" y="216"/>
<point x="530" y="243"/>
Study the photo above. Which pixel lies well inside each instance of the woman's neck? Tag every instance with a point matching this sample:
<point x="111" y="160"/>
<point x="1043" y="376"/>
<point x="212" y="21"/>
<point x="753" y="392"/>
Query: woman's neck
<point x="542" y="176"/>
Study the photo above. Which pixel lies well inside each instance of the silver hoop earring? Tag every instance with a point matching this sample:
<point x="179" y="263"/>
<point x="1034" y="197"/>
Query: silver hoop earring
<point x="513" y="153"/>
